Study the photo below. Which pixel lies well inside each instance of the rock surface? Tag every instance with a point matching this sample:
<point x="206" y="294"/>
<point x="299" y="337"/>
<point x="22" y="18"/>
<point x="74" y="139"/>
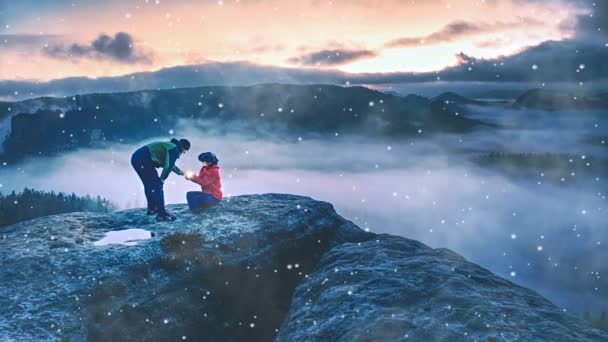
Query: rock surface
<point x="230" y="274"/>
<point x="232" y="281"/>
<point x="395" y="289"/>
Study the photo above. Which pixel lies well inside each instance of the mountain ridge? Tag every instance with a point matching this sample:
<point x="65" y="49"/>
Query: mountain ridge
<point x="47" y="126"/>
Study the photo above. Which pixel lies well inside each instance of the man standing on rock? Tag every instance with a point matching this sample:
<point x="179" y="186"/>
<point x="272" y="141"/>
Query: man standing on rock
<point x="146" y="160"/>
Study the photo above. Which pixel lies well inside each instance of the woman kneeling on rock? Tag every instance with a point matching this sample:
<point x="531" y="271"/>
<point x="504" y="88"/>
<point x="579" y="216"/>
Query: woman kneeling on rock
<point x="209" y="180"/>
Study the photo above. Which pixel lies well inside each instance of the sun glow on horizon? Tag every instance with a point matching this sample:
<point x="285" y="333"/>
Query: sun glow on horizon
<point x="272" y="34"/>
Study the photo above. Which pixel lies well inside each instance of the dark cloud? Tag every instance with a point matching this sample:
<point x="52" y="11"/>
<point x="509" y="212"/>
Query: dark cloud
<point x="446" y="34"/>
<point x="332" y="57"/>
<point x="564" y="61"/>
<point x="594" y="25"/>
<point x="454" y="31"/>
<point x="120" y="48"/>
<point x="26" y="40"/>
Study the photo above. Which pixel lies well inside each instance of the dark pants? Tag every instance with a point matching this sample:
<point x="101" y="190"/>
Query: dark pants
<point x="199" y="201"/>
<point x="153" y="187"/>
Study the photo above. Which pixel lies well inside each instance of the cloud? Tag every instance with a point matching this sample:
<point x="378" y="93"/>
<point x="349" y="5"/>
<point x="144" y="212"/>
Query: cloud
<point x="268" y="48"/>
<point x="551" y="61"/>
<point x="332" y="57"/>
<point x="556" y="62"/>
<point x="26" y="40"/>
<point x="595" y="24"/>
<point x="120" y="48"/>
<point x="457" y="30"/>
<point x="447" y="33"/>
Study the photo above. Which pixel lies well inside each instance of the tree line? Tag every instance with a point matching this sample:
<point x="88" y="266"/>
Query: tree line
<point x="599" y="321"/>
<point x="29" y="204"/>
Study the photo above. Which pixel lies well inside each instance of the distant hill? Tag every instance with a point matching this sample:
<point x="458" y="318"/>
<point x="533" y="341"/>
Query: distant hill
<point x="453" y="98"/>
<point x="553" y="100"/>
<point x="49" y="125"/>
<point x="182" y="76"/>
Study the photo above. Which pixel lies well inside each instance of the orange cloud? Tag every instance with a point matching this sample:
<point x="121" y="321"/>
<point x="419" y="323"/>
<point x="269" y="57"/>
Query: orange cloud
<point x="272" y="32"/>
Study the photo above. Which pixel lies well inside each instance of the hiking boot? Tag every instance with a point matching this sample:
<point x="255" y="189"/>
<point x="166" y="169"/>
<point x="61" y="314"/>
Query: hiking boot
<point x="165" y="217"/>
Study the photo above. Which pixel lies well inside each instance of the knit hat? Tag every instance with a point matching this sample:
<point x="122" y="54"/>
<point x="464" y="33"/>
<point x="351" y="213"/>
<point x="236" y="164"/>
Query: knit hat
<point x="208" y="157"/>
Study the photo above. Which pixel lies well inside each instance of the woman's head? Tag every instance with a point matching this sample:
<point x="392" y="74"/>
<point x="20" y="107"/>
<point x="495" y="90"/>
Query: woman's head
<point x="208" y="159"/>
<point x="182" y="144"/>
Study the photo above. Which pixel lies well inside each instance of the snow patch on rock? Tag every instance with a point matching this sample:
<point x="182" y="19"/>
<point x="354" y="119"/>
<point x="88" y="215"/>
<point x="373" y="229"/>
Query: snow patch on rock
<point x="127" y="237"/>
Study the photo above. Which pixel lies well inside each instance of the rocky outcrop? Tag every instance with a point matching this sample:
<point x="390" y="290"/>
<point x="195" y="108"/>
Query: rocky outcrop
<point x="227" y="275"/>
<point x="230" y="274"/>
<point x="395" y="289"/>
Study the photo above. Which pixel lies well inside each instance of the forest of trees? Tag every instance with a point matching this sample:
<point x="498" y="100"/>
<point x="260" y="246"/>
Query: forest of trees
<point x="599" y="321"/>
<point x="29" y="204"/>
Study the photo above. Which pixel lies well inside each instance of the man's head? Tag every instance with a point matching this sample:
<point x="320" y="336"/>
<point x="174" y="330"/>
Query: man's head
<point x="182" y="144"/>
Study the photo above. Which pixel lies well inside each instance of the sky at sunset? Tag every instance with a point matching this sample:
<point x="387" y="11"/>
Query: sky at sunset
<point x="44" y="40"/>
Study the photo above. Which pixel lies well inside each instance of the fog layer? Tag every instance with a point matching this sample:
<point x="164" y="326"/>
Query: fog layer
<point x="547" y="236"/>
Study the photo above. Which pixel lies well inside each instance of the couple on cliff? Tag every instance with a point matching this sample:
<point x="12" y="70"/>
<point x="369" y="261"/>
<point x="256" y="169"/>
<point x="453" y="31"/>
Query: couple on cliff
<point x="164" y="154"/>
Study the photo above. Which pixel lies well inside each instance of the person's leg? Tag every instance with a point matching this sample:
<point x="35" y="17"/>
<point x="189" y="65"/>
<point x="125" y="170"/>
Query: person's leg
<point x="198" y="201"/>
<point x="152" y="206"/>
<point x="190" y="198"/>
<point x="159" y="196"/>
<point x="142" y="163"/>
<point x="208" y="201"/>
